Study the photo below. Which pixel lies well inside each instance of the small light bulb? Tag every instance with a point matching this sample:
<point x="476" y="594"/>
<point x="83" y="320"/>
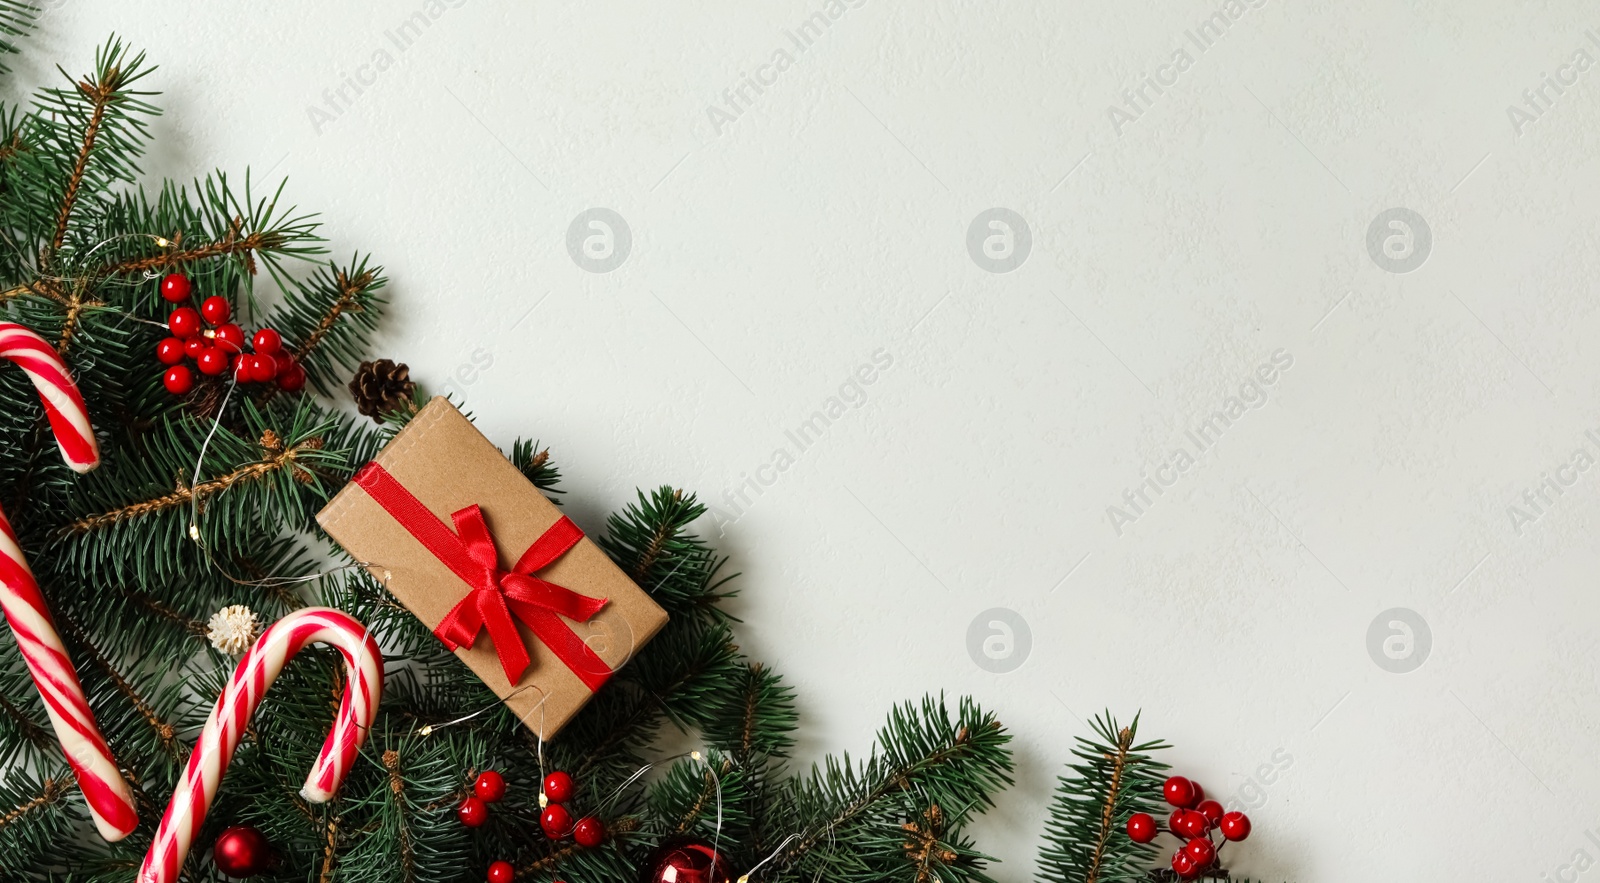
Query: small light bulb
<point x="194" y="532"/>
<point x="543" y="800"/>
<point x="695" y="755"/>
<point x="427" y="730"/>
<point x="163" y="242"/>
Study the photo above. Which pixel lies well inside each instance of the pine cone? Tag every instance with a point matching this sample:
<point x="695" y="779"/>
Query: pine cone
<point x="381" y="387"/>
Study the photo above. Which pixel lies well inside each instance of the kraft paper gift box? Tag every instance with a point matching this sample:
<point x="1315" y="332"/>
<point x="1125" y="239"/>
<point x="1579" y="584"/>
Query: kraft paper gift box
<point x="475" y="551"/>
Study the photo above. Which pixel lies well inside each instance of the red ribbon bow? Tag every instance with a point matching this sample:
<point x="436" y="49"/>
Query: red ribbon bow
<point x="498" y="597"/>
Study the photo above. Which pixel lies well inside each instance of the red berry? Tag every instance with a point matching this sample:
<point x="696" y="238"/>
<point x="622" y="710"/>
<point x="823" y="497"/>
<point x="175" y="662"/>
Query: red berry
<point x="175" y="288"/>
<point x="1184" y="865"/>
<point x="263" y="368"/>
<point x="502" y="872"/>
<point x="1187" y="823"/>
<point x="589" y="831"/>
<point x="558" y="787"/>
<point x="267" y="341"/>
<point x="230" y="337"/>
<point x="1211" y="809"/>
<point x="1141" y="828"/>
<point x="169" y="351"/>
<point x="178" y="380"/>
<point x="556" y="821"/>
<point x="196" y="345"/>
<point x="472" y="812"/>
<point x="490" y="786"/>
<point x="241" y="370"/>
<point x="212" y="362"/>
<point x="216" y="309"/>
<point x="1203" y="853"/>
<point x="1180" y="792"/>
<point x="1236" y="826"/>
<point x="291" y="377"/>
<point x="184" y="322"/>
<point x="1199" y="792"/>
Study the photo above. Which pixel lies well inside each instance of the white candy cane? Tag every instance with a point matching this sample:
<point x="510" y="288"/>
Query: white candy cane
<point x="110" y="800"/>
<point x="256" y="672"/>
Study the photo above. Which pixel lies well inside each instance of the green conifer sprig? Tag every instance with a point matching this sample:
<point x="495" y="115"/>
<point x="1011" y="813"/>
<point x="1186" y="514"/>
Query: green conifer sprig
<point x="1115" y="776"/>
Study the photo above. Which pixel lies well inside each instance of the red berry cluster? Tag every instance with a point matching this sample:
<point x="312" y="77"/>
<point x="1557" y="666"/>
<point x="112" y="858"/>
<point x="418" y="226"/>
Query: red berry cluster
<point x="1192" y="822"/>
<point x="214" y="344"/>
<point x="557" y="789"/>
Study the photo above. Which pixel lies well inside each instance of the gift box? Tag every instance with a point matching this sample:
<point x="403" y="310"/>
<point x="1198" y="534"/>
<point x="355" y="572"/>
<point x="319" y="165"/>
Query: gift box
<point x="474" y="550"/>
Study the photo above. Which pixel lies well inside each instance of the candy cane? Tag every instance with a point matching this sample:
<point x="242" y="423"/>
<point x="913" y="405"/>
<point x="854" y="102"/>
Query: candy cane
<point x="110" y="800"/>
<point x="256" y="672"/>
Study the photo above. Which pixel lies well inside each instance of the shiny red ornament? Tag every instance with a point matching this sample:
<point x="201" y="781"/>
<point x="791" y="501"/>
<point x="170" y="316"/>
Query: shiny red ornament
<point x="216" y="309"/>
<point x="267" y="341"/>
<point x="558" y="787"/>
<point x="502" y="872"/>
<point x="175" y="288"/>
<point x="589" y="831"/>
<point x="556" y="821"/>
<point x="1183" y="865"/>
<point x="1211" y="809"/>
<point x="686" y="860"/>
<point x="230" y="337"/>
<point x="472" y="812"/>
<point x="243" y="851"/>
<point x="212" y="361"/>
<point x="1180" y="792"/>
<point x="1235" y="826"/>
<point x="1141" y="827"/>
<point x="178" y="380"/>
<point x="169" y="351"/>
<point x="194" y="346"/>
<point x="490" y="786"/>
<point x="184" y="322"/>
<point x="1201" y="850"/>
<point x="291" y="377"/>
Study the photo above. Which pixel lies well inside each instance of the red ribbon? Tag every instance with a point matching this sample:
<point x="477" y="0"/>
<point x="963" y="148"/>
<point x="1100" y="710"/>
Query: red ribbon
<point x="497" y="595"/>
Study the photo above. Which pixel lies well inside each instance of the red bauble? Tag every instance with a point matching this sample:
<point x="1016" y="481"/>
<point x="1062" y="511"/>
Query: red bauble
<point x="558" y="787"/>
<point x="490" y="786"/>
<point x="216" y="309"/>
<point x="212" y="361"/>
<point x="263" y="368"/>
<point x="243" y="851"/>
<point x="291" y="377"/>
<point x="1180" y="792"/>
<point x="502" y="872"/>
<point x="184" y="322"/>
<point x="1235" y="826"/>
<point x="1184" y="866"/>
<point x="230" y="337"/>
<point x="686" y="860"/>
<point x="178" y="380"/>
<point x="472" y="812"/>
<point x="169" y="351"/>
<point x="589" y="831"/>
<point x="267" y="341"/>
<point x="556" y="821"/>
<point x="1201" y="850"/>
<point x="175" y="288"/>
<point x="194" y="346"/>
<point x="1211" y="809"/>
<point x="1141" y="827"/>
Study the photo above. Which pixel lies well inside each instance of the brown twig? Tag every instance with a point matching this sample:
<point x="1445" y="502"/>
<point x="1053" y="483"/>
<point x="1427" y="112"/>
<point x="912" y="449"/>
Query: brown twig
<point x="391" y="762"/>
<point x="164" y="731"/>
<point x="657" y="541"/>
<point x="230" y="244"/>
<point x="1119" y="764"/>
<point x="101" y="93"/>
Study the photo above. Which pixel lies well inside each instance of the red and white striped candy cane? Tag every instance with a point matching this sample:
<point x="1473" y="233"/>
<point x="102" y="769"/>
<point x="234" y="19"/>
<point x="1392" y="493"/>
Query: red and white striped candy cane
<point x="110" y="801"/>
<point x="256" y="672"/>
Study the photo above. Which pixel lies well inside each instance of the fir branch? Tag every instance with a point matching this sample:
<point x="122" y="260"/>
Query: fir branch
<point x="30" y="729"/>
<point x="277" y="458"/>
<point x="53" y="791"/>
<point x="397" y="785"/>
<point x="165" y="732"/>
<point x="350" y="291"/>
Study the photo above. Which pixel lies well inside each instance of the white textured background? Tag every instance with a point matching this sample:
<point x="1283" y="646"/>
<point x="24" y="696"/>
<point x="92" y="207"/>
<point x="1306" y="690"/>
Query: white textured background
<point x="829" y="221"/>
